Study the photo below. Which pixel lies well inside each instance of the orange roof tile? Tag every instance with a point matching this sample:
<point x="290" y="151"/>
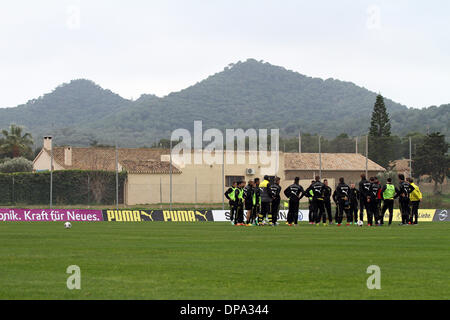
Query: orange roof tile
<point x="330" y="162"/>
<point x="137" y="160"/>
<point x="149" y="166"/>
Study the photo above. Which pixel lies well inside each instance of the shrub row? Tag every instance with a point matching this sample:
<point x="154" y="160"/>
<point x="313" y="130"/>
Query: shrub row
<point x="69" y="187"/>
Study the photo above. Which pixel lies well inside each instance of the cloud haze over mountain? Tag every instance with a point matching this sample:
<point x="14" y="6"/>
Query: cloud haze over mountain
<point x="249" y="94"/>
<point x="399" y="48"/>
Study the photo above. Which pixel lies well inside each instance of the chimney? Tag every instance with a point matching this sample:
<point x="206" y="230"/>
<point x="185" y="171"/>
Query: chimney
<point x="48" y="143"/>
<point x="68" y="156"/>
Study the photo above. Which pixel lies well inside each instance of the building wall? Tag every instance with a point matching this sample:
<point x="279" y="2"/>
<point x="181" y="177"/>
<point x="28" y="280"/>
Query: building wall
<point x="43" y="162"/>
<point x="203" y="183"/>
<point x="146" y="188"/>
<point x="198" y="183"/>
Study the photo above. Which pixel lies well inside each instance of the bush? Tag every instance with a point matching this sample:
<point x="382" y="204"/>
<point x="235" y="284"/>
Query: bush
<point x="16" y="165"/>
<point x="70" y="187"/>
<point x="382" y="177"/>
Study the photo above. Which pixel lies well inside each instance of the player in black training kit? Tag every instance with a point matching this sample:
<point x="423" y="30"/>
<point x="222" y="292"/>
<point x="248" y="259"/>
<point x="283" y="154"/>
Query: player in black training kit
<point x="379" y="201"/>
<point x="294" y="193"/>
<point x="364" y="187"/>
<point x="404" y="190"/>
<point x="343" y="198"/>
<point x="275" y="190"/>
<point x="327" y="201"/>
<point x="372" y="200"/>
<point x="318" y="204"/>
<point x="310" y="203"/>
<point x="354" y="196"/>
<point x="248" y="201"/>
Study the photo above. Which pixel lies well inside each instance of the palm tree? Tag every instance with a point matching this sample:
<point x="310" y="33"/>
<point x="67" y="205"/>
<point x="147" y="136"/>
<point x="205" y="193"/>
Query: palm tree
<point x="15" y="144"/>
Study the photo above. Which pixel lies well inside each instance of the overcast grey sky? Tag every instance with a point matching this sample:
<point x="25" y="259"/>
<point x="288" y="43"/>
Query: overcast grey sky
<point x="399" y="48"/>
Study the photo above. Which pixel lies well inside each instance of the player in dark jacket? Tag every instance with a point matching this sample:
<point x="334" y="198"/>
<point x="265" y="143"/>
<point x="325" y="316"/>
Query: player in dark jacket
<point x="294" y="193"/>
<point x="275" y="190"/>
<point x="379" y="201"/>
<point x="327" y="201"/>
<point x="364" y="187"/>
<point x="248" y="201"/>
<point x="318" y="204"/>
<point x="404" y="191"/>
<point x="372" y="198"/>
<point x="310" y="202"/>
<point x="354" y="197"/>
<point x="343" y="198"/>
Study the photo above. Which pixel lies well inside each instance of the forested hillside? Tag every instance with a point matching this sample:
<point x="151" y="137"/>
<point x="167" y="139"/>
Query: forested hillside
<point x="248" y="94"/>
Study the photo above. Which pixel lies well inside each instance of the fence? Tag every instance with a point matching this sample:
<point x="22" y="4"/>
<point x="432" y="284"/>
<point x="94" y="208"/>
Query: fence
<point x="193" y="193"/>
<point x="67" y="188"/>
<point x="304" y="156"/>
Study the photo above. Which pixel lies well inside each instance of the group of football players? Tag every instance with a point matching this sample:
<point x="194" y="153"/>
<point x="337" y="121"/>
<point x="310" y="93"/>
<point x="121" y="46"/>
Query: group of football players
<point x="258" y="202"/>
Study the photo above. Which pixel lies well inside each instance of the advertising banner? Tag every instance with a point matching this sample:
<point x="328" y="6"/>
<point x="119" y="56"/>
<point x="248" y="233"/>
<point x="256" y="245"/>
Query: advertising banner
<point x="424" y="215"/>
<point x="157" y="215"/>
<point x="188" y="215"/>
<point x="441" y="215"/>
<point x="50" y="215"/>
<point x="224" y="215"/>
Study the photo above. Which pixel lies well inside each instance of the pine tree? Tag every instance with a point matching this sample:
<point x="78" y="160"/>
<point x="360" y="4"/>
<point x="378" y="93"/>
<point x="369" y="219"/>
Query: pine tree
<point x="380" y="141"/>
<point x="380" y="124"/>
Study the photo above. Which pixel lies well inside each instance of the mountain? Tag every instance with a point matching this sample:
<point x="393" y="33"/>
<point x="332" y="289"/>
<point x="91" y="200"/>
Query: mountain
<point x="67" y="108"/>
<point x="423" y="120"/>
<point x="248" y="94"/>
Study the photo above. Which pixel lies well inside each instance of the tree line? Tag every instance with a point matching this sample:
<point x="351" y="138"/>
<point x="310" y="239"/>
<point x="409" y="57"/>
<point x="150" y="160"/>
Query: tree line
<point x="429" y="151"/>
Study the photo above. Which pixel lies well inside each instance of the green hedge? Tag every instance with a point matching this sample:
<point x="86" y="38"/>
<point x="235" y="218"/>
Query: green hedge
<point x="69" y="187"/>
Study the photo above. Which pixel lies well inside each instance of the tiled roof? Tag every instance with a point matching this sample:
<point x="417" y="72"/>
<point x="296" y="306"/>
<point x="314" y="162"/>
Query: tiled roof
<point x="400" y="165"/>
<point x="146" y="160"/>
<point x="149" y="166"/>
<point x="133" y="160"/>
<point x="330" y="161"/>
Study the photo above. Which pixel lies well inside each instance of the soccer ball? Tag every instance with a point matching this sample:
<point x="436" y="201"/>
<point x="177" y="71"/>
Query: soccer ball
<point x="360" y="223"/>
<point x="67" y="225"/>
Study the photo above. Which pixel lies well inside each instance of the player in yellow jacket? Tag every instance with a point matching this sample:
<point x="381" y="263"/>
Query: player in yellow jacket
<point x="415" y="198"/>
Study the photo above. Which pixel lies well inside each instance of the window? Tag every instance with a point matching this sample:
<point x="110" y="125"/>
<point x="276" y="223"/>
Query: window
<point x="230" y="179"/>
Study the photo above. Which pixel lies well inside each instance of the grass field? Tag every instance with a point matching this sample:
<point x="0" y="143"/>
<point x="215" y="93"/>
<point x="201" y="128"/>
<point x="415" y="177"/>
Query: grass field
<point x="218" y="261"/>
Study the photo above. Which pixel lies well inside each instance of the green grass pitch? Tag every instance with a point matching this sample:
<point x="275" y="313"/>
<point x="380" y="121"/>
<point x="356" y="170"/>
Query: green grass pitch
<point x="160" y="260"/>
